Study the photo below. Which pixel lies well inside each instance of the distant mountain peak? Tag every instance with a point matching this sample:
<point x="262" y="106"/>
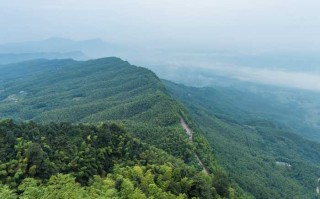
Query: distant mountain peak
<point x="56" y="39"/>
<point x="95" y="47"/>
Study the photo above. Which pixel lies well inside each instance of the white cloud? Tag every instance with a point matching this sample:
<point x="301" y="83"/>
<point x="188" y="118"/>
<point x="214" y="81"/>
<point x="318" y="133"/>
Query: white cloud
<point x="300" y="80"/>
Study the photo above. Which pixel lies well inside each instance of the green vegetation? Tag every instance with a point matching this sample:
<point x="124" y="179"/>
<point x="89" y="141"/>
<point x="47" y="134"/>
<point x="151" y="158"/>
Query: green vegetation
<point x="297" y="110"/>
<point x="262" y="157"/>
<point x="91" y="155"/>
<point x="89" y="161"/>
<point x="116" y="129"/>
<point x="107" y="89"/>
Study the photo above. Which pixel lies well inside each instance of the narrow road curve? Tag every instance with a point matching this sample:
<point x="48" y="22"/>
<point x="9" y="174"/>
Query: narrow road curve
<point x="189" y="133"/>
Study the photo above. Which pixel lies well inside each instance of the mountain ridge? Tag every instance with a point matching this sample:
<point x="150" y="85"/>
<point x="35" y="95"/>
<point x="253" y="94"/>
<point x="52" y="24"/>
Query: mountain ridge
<point x="108" y="90"/>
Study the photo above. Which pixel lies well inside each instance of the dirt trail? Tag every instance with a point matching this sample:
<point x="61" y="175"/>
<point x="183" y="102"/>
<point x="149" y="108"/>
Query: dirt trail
<point x="186" y="128"/>
<point x="189" y="133"/>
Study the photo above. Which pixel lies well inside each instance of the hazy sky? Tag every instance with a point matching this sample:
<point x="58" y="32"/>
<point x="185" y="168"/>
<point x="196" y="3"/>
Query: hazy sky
<point x="245" y="26"/>
<point x="203" y="24"/>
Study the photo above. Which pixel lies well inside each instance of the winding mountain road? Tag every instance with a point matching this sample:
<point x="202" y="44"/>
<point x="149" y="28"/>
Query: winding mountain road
<point x="190" y="134"/>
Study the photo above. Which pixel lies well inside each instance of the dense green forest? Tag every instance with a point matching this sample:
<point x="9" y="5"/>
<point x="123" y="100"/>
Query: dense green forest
<point x="61" y="108"/>
<point x="263" y="157"/>
<point x="61" y="160"/>
<point x="88" y="94"/>
<point x="107" y="89"/>
<point x="91" y="91"/>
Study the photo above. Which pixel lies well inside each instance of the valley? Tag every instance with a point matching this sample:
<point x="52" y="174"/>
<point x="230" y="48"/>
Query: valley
<point x="258" y="154"/>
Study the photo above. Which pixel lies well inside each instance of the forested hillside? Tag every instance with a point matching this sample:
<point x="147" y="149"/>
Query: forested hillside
<point x="92" y="161"/>
<point x="94" y="92"/>
<point x="295" y="109"/>
<point x="263" y="157"/>
<point x="66" y="90"/>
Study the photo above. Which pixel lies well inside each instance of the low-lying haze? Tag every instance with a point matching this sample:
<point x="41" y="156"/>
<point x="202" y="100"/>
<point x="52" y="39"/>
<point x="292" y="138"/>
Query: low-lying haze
<point x="206" y="75"/>
<point x="166" y="34"/>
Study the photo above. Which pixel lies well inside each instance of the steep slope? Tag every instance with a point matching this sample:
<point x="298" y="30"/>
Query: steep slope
<point x="94" y="91"/>
<point x="263" y="158"/>
<point x="66" y="90"/>
<point x="107" y="89"/>
<point x="190" y="134"/>
<point x="70" y="155"/>
<point x="295" y="109"/>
